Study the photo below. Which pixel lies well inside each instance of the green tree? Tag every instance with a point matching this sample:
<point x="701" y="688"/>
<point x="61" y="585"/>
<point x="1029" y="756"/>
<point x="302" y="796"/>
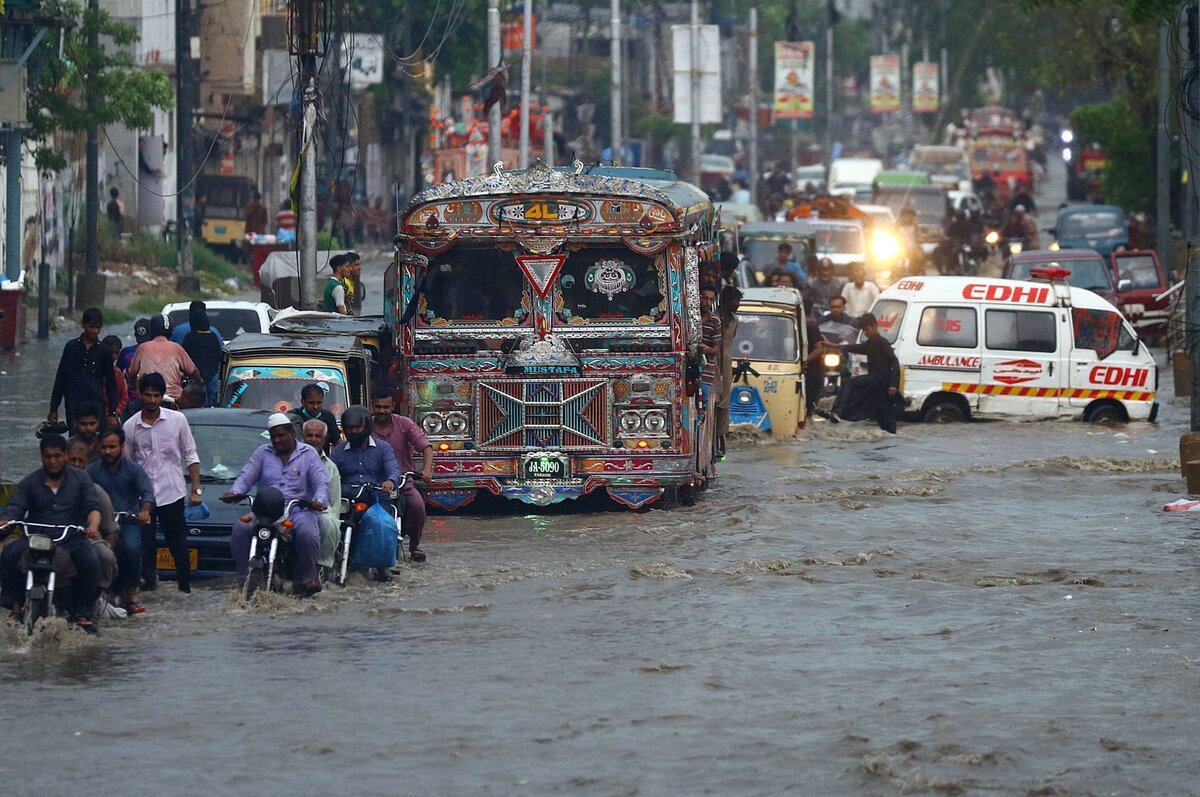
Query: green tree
<point x="123" y="92"/>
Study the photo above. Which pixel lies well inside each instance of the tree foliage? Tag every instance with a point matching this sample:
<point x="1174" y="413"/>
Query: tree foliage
<point x="120" y="90"/>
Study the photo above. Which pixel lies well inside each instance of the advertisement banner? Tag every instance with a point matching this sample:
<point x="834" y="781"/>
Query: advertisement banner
<point x="925" y="87"/>
<point x="794" y="80"/>
<point x="709" y="62"/>
<point x="885" y="83"/>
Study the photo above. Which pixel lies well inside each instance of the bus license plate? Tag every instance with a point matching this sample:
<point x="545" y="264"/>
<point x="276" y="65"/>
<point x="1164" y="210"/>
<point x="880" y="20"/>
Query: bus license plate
<point x="544" y="467"/>
<point x="167" y="562"/>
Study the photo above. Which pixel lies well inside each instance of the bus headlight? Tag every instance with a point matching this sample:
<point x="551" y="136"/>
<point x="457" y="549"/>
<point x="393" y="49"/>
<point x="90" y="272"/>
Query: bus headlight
<point x="456" y="423"/>
<point x="630" y="422"/>
<point x="655" y="422"/>
<point x="432" y="423"/>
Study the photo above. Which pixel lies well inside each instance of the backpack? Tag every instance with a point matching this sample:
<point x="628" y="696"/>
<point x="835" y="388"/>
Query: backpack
<point x="377" y="533"/>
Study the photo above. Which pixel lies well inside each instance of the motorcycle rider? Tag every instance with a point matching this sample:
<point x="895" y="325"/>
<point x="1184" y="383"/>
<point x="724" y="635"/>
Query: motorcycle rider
<point x="105" y="547"/>
<point x="130" y="490"/>
<point x="1020" y="226"/>
<point x="295" y="469"/>
<point x="57" y="495"/>
<point x="406" y="439"/>
<point x="328" y="522"/>
<point x="837" y="313"/>
<point x="361" y="459"/>
<point x="826" y="286"/>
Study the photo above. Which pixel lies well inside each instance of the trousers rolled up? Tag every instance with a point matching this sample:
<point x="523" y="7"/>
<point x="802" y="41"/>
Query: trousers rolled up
<point x="82" y="600"/>
<point x="306" y="539"/>
<point x="413" y="517"/>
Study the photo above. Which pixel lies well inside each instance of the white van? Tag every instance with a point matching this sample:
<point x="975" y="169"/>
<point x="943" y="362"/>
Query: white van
<point x="854" y="177"/>
<point x="991" y="348"/>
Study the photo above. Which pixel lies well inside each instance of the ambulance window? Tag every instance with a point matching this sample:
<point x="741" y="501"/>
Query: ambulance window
<point x="890" y="313"/>
<point x="952" y="327"/>
<point x="1020" y="330"/>
<point x="1101" y="331"/>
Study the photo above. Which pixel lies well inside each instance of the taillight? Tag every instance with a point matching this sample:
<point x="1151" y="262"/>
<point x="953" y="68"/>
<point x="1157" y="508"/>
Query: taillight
<point x="360" y="507"/>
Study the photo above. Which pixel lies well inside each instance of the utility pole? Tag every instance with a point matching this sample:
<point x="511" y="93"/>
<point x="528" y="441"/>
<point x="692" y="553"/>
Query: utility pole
<point x="694" y="50"/>
<point x="614" y="41"/>
<point x="905" y="91"/>
<point x="828" y="98"/>
<point x="526" y="68"/>
<point x="1162" y="209"/>
<point x="91" y="214"/>
<point x="307" y="48"/>
<point x="494" y="56"/>
<point x="185" y="197"/>
<point x="753" y="187"/>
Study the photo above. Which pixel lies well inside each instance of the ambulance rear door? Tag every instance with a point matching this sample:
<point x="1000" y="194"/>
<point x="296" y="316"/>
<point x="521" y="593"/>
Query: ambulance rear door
<point x="1023" y="373"/>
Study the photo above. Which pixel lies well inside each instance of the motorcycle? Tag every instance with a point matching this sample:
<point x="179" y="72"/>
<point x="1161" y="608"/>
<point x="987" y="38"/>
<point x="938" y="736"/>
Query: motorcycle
<point x="42" y="563"/>
<point x="352" y="512"/>
<point x="834" y="364"/>
<point x="272" y="525"/>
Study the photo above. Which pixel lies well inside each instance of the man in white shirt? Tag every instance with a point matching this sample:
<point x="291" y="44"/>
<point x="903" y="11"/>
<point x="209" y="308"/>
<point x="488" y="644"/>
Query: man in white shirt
<point x="329" y="519"/>
<point x="860" y="293"/>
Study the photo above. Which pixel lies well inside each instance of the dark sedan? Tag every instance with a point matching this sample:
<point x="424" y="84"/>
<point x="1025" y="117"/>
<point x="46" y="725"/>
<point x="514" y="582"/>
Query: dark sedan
<point x="225" y="438"/>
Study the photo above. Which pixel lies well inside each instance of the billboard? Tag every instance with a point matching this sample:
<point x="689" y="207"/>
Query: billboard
<point x="885" y="83"/>
<point x="709" y="60"/>
<point x="925" y="89"/>
<point x="362" y="55"/>
<point x="794" y="80"/>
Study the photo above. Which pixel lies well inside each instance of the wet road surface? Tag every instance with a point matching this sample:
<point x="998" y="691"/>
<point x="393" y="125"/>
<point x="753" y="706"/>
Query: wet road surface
<point x="988" y="608"/>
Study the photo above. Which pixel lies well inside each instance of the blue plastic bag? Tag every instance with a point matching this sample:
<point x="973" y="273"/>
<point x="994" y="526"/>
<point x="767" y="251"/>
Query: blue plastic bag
<point x="377" y="534"/>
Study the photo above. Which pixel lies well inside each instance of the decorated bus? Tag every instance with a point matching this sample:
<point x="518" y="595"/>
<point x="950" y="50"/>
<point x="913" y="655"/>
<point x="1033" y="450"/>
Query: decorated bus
<point x="547" y="323"/>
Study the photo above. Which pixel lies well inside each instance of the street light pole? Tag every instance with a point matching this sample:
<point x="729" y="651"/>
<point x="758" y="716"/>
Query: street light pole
<point x="694" y="47"/>
<point x="526" y="67"/>
<point x="753" y="104"/>
<point x="615" y="47"/>
<point x="493" y="33"/>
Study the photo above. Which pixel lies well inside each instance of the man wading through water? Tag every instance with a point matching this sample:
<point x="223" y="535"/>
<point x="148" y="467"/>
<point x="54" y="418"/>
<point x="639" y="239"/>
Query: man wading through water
<point x="876" y="394"/>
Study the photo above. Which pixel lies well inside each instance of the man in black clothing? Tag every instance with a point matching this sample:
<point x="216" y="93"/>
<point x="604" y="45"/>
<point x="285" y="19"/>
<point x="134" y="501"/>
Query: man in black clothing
<point x="876" y="393"/>
<point x="57" y="495"/>
<point x="85" y="373"/>
<point x="312" y="397"/>
<point x="204" y="347"/>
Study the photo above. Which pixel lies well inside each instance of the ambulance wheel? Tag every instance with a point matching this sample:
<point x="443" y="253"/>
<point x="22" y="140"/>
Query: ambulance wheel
<point x="1106" y="413"/>
<point x="944" y="410"/>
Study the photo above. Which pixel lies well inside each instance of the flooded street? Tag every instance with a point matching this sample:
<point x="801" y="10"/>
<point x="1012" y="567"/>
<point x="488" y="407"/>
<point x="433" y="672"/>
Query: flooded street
<point x="984" y="608"/>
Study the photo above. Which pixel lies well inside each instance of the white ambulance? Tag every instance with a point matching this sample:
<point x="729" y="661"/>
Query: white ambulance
<point x="974" y="347"/>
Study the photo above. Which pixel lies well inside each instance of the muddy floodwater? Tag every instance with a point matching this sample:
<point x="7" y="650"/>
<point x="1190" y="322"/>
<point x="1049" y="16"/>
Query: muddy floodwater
<point x="994" y="608"/>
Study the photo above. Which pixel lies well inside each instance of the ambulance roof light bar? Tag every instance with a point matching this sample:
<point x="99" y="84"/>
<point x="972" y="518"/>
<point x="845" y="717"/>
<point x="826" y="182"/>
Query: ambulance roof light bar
<point x="1051" y="273"/>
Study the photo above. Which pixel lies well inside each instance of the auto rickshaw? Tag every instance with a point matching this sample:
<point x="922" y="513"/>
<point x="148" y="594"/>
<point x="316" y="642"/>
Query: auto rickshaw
<point x="267" y="372"/>
<point x="768" y="359"/>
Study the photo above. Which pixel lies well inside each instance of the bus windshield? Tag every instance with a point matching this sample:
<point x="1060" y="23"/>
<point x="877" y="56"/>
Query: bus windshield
<point x="602" y="283"/>
<point x="474" y="285"/>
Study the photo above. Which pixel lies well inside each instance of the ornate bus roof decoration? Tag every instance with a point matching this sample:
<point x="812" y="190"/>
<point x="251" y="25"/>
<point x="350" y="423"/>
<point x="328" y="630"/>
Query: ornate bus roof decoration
<point x="539" y="179"/>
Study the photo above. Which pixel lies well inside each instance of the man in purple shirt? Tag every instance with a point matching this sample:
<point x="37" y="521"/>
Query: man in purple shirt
<point x="405" y="438"/>
<point x="296" y="470"/>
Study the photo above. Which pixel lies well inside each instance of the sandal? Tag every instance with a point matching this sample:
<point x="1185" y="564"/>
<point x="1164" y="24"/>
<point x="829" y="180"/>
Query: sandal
<point x="87" y="625"/>
<point x="417" y="555"/>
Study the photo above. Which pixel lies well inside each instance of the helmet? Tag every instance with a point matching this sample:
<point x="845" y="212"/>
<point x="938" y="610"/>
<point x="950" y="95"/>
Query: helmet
<point x="357" y="415"/>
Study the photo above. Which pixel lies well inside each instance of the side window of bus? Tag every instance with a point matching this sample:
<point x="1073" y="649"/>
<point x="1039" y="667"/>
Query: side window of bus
<point x="1020" y="330"/>
<point x="1102" y="331"/>
<point x="951" y="327"/>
